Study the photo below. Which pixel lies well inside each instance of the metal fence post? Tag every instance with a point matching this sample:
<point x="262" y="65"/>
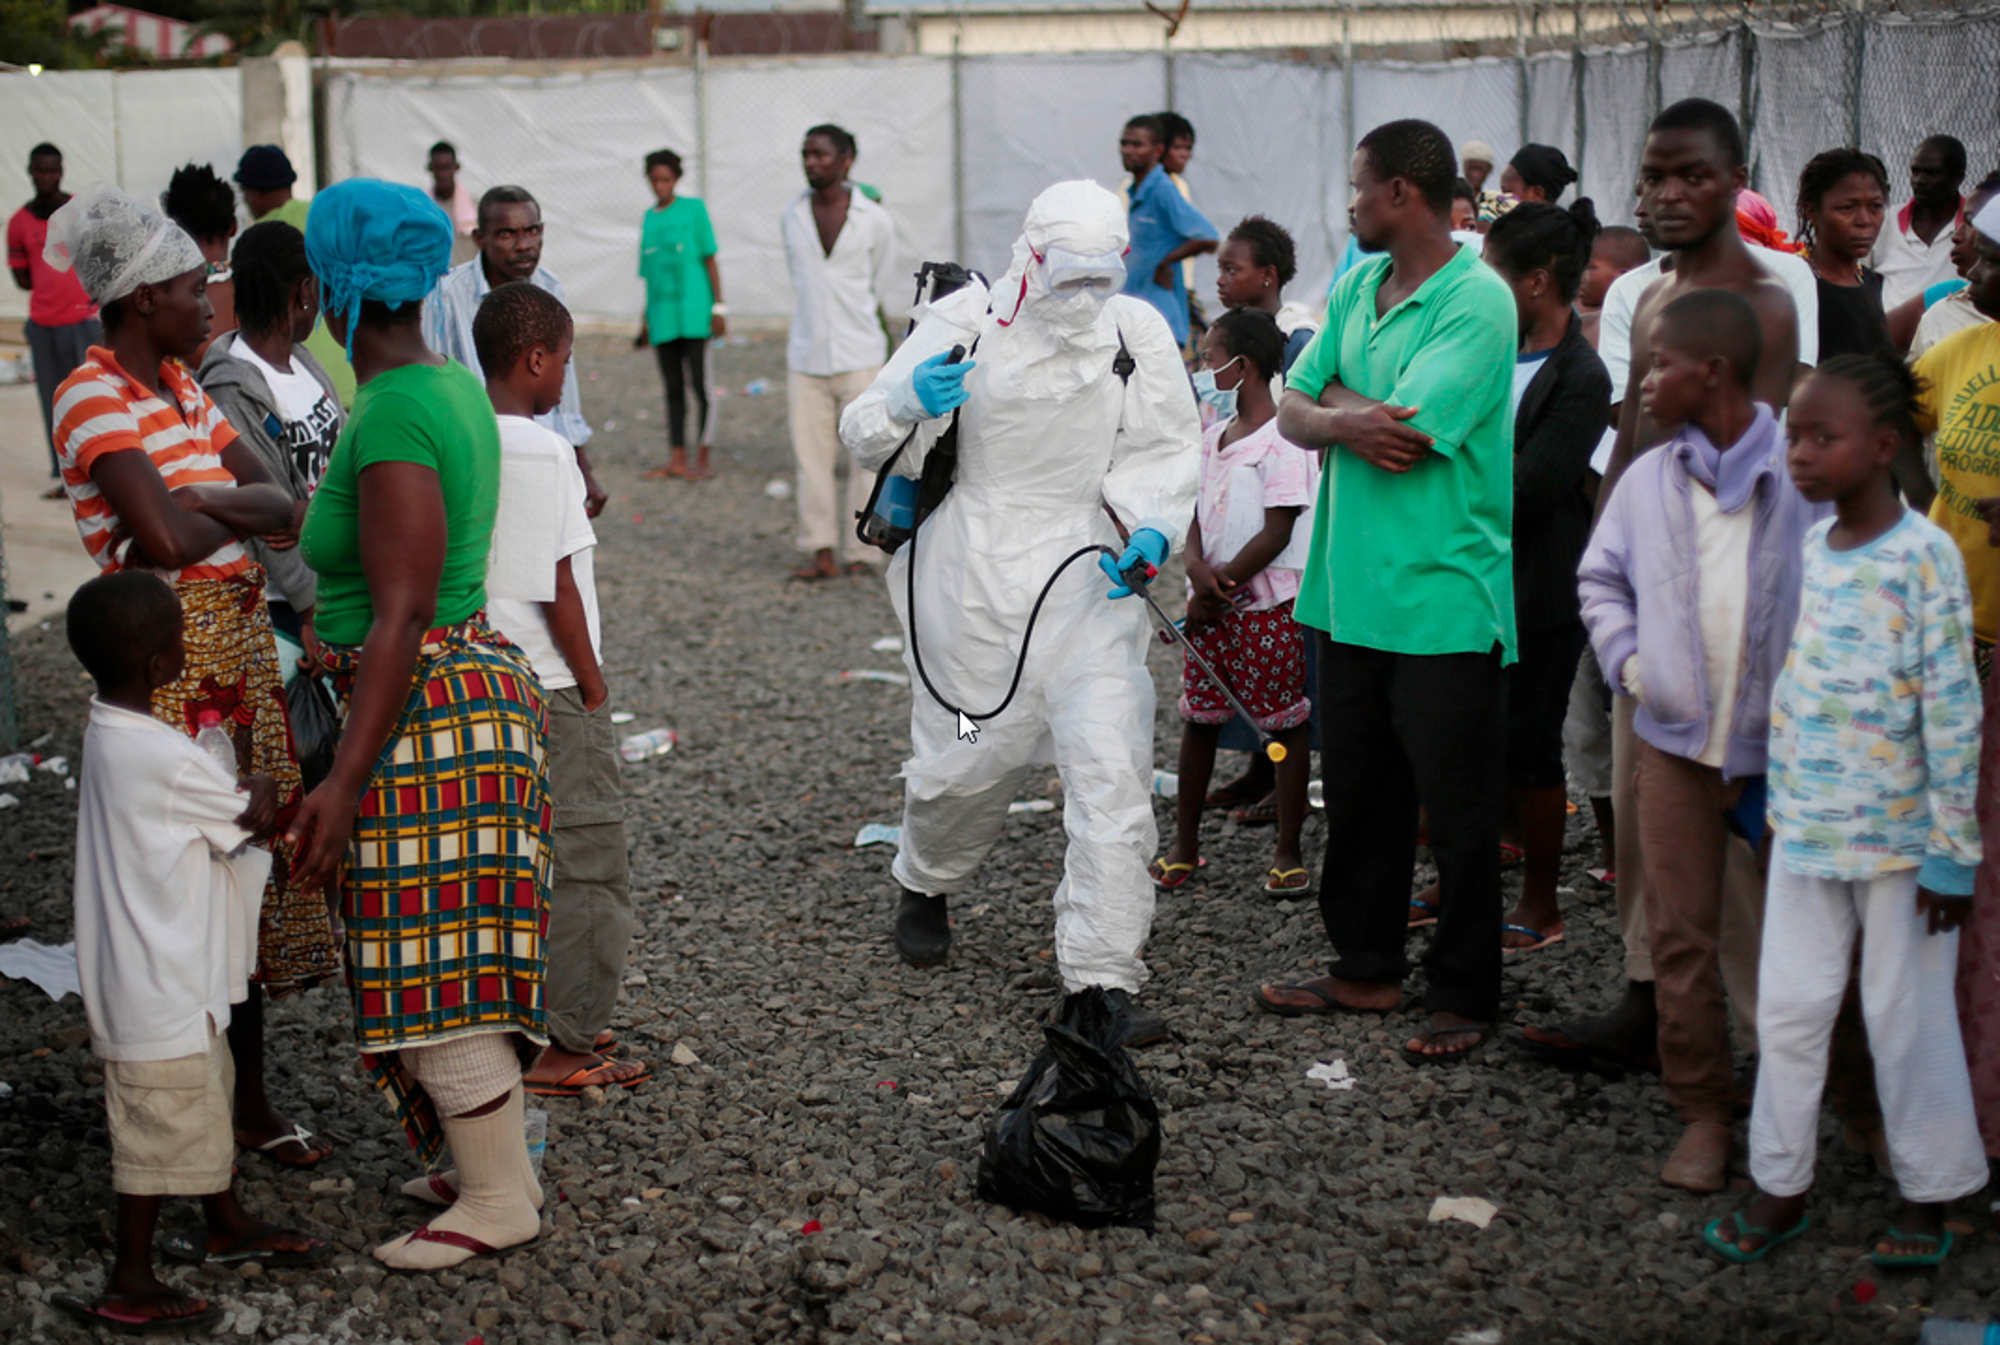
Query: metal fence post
<point x="1167" y="60"/>
<point x="1576" y="79"/>
<point x="1858" y="41"/>
<point x="1521" y="21"/>
<point x="10" y="727"/>
<point x="701" y="112"/>
<point x="1746" y="94"/>
<point x="957" y="150"/>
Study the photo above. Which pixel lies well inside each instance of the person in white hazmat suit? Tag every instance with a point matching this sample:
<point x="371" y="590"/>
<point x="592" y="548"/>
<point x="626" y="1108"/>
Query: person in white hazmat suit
<point x="1057" y="434"/>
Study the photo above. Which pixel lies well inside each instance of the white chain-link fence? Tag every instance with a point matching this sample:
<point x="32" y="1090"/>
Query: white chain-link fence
<point x="960" y="144"/>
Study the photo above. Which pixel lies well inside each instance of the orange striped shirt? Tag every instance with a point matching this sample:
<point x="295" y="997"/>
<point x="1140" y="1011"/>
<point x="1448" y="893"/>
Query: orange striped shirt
<point x="101" y="409"/>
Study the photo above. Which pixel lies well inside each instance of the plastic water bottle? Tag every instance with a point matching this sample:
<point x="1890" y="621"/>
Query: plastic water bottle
<point x="652" y="743"/>
<point x="210" y="738"/>
<point x="1166" y="784"/>
<point x="1950" y="1331"/>
<point x="535" y="1128"/>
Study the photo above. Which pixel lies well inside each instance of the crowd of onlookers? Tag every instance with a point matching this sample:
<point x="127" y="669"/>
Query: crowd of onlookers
<point x="1697" y="520"/>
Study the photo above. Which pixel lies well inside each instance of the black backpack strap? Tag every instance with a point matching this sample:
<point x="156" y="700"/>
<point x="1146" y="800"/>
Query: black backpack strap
<point x="1124" y="364"/>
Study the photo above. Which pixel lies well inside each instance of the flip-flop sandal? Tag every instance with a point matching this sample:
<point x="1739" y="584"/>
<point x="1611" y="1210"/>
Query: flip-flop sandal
<point x="1913" y="1260"/>
<point x="1726" y="1248"/>
<point x="1168" y="875"/>
<point x="606" y="1044"/>
<point x="573" y="1083"/>
<point x="131" y="1322"/>
<point x="1327" y="1003"/>
<point x="1511" y="855"/>
<point x="1422" y="914"/>
<point x="1541" y="940"/>
<point x="465" y="1241"/>
<point x="190" y="1249"/>
<point x="1277" y="884"/>
<point x="299" y="1136"/>
<point x="1484" y="1034"/>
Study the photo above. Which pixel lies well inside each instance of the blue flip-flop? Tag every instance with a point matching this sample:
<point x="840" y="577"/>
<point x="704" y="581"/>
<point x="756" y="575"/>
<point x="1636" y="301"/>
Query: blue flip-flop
<point x="1726" y="1248"/>
<point x="1913" y="1260"/>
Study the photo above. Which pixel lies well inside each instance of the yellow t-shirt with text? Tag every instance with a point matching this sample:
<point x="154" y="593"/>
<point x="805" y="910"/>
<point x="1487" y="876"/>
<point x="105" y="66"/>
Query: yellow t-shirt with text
<point x="1960" y="402"/>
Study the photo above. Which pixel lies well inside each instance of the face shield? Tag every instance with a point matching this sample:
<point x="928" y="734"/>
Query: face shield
<point x="1069" y="289"/>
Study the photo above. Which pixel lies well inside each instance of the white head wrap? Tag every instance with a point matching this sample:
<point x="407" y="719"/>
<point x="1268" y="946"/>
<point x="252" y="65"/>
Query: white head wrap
<point x="117" y="243"/>
<point x="1987" y="221"/>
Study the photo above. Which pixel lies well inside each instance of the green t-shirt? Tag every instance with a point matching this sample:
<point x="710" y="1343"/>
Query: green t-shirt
<point x="423" y="413"/>
<point x="331" y="356"/>
<point x="1422" y="562"/>
<point x="672" y="247"/>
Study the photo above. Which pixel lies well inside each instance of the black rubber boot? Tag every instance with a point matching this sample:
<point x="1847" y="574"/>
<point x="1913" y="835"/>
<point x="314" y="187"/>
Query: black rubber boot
<point x="923" y="929"/>
<point x="1139" y="1026"/>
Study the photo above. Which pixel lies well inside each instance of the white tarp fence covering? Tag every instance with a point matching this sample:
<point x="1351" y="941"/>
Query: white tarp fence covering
<point x="958" y="148"/>
<point x="133" y="129"/>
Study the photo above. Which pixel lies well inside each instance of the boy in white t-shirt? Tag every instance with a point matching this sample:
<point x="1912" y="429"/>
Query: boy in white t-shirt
<point x="167" y="896"/>
<point x="541" y="596"/>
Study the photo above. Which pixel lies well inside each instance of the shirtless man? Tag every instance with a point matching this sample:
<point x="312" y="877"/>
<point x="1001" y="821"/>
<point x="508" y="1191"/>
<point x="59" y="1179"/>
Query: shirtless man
<point x="1689" y="174"/>
<point x="1691" y="169"/>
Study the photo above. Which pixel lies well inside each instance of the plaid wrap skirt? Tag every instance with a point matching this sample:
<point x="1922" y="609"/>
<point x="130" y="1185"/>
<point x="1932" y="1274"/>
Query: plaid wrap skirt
<point x="446" y="888"/>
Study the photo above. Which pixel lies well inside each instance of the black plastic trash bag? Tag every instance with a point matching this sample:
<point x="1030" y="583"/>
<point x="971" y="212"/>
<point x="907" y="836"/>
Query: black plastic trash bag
<point x="315" y="726"/>
<point x="1080" y="1137"/>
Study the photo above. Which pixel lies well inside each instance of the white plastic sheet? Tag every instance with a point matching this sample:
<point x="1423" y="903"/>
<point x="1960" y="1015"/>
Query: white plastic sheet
<point x="1282" y="154"/>
<point x="1468" y="100"/>
<point x="577" y="141"/>
<point x="1034" y="120"/>
<point x="1804" y="83"/>
<point x="898" y="109"/>
<point x="1552" y="102"/>
<point x="1616" y="114"/>
<point x="167" y="118"/>
<point x="1952" y="63"/>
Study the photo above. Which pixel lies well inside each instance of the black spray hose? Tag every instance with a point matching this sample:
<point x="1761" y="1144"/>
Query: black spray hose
<point x="1027" y="636"/>
<point x="1135" y="579"/>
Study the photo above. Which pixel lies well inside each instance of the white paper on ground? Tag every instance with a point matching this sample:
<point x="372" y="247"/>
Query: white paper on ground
<point x="1333" y="1073"/>
<point x="878" y="833"/>
<point x="1466" y="1209"/>
<point x="51" y="968"/>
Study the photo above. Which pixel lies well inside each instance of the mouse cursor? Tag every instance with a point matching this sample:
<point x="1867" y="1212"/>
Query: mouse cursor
<point x="968" y="732"/>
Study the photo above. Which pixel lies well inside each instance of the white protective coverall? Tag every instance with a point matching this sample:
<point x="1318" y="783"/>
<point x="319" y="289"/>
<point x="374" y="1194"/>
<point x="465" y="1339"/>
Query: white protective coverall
<point x="1048" y="437"/>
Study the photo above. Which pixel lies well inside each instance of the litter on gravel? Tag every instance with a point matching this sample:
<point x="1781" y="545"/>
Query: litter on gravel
<point x="878" y="833"/>
<point x="888" y="644"/>
<point x="51" y="967"/>
<point x="1333" y="1073"/>
<point x="1472" y="1210"/>
<point x="874" y="675"/>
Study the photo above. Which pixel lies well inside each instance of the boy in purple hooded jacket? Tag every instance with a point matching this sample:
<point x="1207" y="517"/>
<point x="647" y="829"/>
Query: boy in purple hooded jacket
<point x="1690" y="589"/>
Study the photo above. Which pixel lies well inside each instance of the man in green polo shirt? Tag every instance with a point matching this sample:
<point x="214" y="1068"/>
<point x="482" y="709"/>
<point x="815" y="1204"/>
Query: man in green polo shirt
<point x="1408" y="390"/>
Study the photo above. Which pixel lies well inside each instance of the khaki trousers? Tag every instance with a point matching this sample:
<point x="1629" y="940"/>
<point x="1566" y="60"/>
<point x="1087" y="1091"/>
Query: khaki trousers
<point x="815" y="404"/>
<point x="1742" y="888"/>
<point x="590" y="896"/>
<point x="1681" y="807"/>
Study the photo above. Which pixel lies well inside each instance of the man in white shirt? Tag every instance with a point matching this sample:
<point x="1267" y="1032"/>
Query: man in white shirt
<point x="1914" y="251"/>
<point x="509" y="234"/>
<point x="840" y="250"/>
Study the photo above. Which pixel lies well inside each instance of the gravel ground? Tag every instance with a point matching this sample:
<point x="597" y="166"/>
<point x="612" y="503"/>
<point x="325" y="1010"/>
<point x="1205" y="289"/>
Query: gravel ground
<point x="805" y="1075"/>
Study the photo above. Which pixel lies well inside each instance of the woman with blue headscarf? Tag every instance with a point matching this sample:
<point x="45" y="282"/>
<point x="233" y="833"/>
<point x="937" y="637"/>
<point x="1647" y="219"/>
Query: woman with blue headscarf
<point x="436" y="802"/>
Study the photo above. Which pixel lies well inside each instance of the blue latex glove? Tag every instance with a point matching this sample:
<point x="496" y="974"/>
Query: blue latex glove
<point x="940" y="387"/>
<point x="1147" y="545"/>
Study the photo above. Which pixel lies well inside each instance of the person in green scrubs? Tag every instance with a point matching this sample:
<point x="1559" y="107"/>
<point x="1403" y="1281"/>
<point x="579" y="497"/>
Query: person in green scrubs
<point x="684" y="308"/>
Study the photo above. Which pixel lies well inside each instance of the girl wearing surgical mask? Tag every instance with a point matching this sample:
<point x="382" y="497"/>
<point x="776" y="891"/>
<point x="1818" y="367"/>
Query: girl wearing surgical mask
<point x="1245" y="551"/>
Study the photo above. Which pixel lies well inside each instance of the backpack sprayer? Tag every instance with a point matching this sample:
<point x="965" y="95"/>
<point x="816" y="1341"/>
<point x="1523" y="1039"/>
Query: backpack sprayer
<point x="898" y="506"/>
